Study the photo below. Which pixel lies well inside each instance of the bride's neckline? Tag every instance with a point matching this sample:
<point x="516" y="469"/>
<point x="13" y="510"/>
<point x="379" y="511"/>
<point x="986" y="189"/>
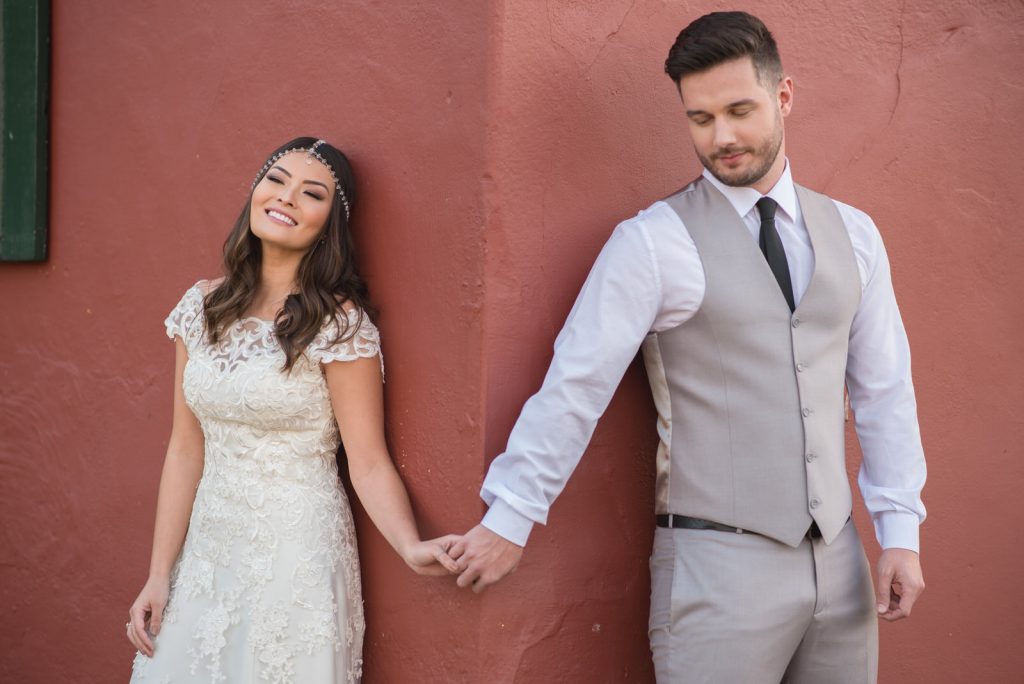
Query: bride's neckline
<point x="245" y="319"/>
<point x="266" y="321"/>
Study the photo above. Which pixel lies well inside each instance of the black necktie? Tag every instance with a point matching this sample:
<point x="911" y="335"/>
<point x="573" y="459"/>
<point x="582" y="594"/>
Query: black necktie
<point x="771" y="247"/>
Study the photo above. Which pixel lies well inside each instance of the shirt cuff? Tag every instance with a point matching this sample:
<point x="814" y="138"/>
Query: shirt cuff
<point x="506" y="521"/>
<point x="898" y="530"/>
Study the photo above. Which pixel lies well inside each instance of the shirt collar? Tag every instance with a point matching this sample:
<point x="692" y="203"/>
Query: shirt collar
<point x="744" y="198"/>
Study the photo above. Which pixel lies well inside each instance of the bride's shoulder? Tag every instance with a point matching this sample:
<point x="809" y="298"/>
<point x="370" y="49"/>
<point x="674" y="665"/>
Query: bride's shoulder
<point x="356" y="319"/>
<point x="348" y="334"/>
<point x="206" y="286"/>
<point x="201" y="288"/>
<point x="186" y="318"/>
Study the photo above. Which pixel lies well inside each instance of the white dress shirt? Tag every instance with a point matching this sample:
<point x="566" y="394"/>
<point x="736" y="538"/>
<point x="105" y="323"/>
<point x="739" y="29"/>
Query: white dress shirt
<point x="648" y="278"/>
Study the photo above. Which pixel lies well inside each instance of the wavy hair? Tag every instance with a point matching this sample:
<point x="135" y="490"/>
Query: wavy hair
<point x="327" y="276"/>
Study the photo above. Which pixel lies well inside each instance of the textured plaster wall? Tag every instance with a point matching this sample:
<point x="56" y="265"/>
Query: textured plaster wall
<point x="497" y="145"/>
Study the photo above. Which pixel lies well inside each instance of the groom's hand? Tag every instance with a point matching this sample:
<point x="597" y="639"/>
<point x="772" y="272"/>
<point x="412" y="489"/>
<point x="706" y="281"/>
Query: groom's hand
<point x="484" y="557"/>
<point x="900" y="583"/>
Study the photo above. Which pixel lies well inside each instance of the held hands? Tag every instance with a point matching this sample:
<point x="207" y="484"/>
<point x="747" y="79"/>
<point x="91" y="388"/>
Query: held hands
<point x="147" y="614"/>
<point x="900" y="582"/>
<point x="430" y="557"/>
<point x="484" y="557"/>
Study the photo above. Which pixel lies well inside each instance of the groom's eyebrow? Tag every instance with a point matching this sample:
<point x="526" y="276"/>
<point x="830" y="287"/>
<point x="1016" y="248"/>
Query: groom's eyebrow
<point x="747" y="102"/>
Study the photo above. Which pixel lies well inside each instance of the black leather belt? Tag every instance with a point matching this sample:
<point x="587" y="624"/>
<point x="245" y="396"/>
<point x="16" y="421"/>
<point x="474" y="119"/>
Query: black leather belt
<point x="685" y="522"/>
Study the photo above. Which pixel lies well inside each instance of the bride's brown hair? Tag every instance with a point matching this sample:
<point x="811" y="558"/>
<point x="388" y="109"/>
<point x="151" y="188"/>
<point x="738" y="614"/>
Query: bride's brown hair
<point x="327" y="276"/>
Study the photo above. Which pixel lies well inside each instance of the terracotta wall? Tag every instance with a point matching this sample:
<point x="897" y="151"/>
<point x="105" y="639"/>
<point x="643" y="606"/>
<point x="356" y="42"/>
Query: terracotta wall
<point x="497" y="145"/>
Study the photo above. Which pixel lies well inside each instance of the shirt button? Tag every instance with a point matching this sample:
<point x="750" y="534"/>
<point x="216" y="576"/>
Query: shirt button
<point x="800" y="368"/>
<point x="810" y="457"/>
<point x="806" y="412"/>
<point x="815" y="503"/>
<point x="796" y="322"/>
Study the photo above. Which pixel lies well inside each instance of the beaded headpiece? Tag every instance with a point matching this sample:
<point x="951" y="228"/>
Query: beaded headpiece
<point x="311" y="154"/>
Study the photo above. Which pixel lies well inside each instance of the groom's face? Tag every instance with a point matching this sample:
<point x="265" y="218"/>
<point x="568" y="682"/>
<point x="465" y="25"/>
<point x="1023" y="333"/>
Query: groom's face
<point x="736" y="121"/>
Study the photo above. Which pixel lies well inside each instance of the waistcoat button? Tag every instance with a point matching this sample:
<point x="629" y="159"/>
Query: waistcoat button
<point x="810" y="457"/>
<point x="806" y="412"/>
<point x="796" y="322"/>
<point x="815" y="503"/>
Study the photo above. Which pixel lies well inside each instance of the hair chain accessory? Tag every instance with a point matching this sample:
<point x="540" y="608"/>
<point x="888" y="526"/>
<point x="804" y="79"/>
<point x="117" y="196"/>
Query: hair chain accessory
<point x="311" y="154"/>
<point x="312" y="151"/>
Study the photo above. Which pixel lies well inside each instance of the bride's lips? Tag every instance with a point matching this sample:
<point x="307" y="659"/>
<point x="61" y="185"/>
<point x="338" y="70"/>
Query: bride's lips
<point x="277" y="219"/>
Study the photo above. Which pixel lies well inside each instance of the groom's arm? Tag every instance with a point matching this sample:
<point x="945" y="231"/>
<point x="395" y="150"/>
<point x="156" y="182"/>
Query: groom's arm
<point x="617" y="308"/>
<point x="893" y="470"/>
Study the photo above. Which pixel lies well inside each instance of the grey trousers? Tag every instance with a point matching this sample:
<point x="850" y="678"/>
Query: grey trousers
<point x="731" y="608"/>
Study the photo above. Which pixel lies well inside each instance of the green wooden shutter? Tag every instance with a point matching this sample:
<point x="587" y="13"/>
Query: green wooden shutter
<point x="24" y="89"/>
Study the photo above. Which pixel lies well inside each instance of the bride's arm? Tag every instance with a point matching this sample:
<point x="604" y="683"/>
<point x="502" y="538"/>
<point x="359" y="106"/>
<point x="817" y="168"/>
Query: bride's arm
<point x="183" y="466"/>
<point x="356" y="390"/>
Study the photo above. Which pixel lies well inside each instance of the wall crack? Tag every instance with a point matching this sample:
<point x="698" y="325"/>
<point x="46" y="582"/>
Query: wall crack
<point x="899" y="64"/>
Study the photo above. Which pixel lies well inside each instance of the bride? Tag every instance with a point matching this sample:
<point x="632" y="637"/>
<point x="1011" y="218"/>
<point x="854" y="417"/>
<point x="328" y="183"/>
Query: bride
<point x="254" y="574"/>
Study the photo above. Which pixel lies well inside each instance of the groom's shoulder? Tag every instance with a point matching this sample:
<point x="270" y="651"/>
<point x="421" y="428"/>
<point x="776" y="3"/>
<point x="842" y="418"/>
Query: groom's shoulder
<point x="851" y="214"/>
<point x="861" y="228"/>
<point x="652" y="220"/>
<point x="848" y="212"/>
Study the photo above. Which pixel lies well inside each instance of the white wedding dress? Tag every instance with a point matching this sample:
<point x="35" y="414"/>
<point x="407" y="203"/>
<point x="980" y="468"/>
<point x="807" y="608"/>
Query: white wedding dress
<point x="266" y="588"/>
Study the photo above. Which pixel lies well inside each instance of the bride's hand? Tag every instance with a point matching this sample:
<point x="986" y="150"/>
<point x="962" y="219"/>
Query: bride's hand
<point x="148" y="608"/>
<point x="430" y="557"/>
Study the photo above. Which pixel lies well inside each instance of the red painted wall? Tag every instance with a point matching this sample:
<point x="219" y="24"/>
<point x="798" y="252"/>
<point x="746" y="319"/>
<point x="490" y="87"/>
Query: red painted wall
<point x="497" y="144"/>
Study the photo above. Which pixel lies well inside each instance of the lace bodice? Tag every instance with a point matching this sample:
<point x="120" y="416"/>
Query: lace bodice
<point x="239" y="385"/>
<point x="271" y="528"/>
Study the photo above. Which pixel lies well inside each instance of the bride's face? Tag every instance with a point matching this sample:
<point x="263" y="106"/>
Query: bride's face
<point x="291" y="203"/>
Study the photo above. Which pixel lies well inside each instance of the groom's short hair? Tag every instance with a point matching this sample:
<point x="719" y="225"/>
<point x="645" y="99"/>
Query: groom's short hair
<point x="722" y="37"/>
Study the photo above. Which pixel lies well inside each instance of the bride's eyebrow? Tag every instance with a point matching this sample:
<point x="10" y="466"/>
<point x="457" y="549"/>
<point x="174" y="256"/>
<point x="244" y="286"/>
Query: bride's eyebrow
<point x="313" y="182"/>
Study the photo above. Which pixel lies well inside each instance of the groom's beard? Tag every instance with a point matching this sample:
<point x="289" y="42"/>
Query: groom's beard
<point x="763" y="155"/>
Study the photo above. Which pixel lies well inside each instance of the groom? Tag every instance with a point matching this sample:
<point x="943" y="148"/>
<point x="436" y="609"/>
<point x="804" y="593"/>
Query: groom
<point x="755" y="301"/>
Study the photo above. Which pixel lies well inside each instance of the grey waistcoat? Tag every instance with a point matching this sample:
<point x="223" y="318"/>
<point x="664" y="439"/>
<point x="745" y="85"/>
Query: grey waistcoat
<point x="756" y="393"/>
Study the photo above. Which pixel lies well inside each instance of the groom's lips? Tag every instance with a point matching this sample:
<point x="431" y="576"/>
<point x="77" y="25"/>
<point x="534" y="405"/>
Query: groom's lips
<point x="731" y="158"/>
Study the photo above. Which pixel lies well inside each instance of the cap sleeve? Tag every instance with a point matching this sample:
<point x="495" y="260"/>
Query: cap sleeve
<point x="186" y="319"/>
<point x="364" y="343"/>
